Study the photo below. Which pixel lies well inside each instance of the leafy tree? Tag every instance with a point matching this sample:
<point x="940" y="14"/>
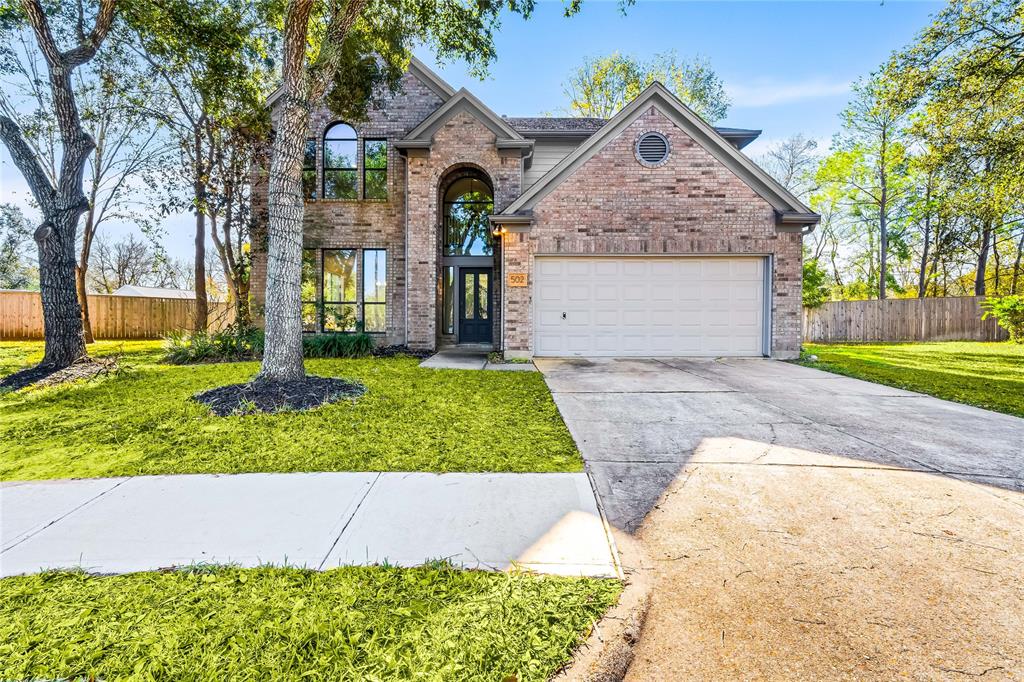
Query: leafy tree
<point x="207" y="60"/>
<point x="127" y="150"/>
<point x="964" y="78"/>
<point x="868" y="165"/>
<point x="68" y="37"/>
<point x="601" y="86"/>
<point x="230" y="210"/>
<point x="815" y="284"/>
<point x="343" y="53"/>
<point x="17" y="270"/>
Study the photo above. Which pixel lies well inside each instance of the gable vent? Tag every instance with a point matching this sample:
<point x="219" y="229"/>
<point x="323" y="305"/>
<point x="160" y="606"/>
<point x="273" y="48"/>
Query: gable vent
<point x="652" y="149"/>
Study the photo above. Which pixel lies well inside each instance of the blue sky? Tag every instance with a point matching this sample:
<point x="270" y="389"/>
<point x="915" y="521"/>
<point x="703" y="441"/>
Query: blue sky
<point x="787" y="65"/>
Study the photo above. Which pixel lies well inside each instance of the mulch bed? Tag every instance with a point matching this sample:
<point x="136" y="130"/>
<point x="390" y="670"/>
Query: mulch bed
<point x="263" y="396"/>
<point x="42" y="375"/>
<point x="397" y="350"/>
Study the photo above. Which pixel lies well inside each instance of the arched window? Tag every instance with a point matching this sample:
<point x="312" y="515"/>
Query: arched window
<point x="340" y="162"/>
<point x="467" y="204"/>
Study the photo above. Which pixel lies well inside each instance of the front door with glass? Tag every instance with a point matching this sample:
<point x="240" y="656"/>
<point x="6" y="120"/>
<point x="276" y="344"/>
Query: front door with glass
<point x="474" y="301"/>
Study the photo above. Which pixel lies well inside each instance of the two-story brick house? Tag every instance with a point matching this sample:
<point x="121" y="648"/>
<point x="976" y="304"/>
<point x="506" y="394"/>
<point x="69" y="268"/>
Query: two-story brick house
<point x="438" y="222"/>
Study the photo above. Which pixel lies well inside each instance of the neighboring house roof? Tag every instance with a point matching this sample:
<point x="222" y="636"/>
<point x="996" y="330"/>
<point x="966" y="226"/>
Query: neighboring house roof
<point x="416" y="68"/>
<point x="153" y="292"/>
<point x="791" y="212"/>
<point x="422" y="135"/>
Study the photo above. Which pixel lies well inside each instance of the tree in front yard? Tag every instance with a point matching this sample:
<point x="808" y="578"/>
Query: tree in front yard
<point x="342" y="52"/>
<point x="67" y="39"/>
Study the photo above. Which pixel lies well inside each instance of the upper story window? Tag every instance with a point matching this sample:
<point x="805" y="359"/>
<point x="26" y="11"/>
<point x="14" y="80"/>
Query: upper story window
<point x="467" y="205"/>
<point x="340" y="169"/>
<point x="309" y="170"/>
<point x="375" y="169"/>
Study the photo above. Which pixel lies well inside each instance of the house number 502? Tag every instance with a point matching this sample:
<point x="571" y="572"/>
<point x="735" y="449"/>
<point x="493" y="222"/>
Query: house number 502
<point x="517" y="279"/>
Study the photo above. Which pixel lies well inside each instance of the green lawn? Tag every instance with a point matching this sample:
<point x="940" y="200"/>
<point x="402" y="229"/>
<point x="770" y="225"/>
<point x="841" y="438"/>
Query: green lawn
<point x="989" y="375"/>
<point x="141" y="421"/>
<point x="355" y="623"/>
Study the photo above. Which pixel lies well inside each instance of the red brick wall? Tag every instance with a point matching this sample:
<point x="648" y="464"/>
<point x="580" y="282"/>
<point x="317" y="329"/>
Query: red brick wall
<point x="360" y="223"/>
<point x="689" y="205"/>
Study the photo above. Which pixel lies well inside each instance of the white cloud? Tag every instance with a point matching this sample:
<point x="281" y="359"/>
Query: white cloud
<point x="767" y="93"/>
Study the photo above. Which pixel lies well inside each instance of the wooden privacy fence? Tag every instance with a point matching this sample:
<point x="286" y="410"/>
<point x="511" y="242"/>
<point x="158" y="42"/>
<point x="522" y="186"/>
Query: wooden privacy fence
<point x="901" y="319"/>
<point x="113" y="317"/>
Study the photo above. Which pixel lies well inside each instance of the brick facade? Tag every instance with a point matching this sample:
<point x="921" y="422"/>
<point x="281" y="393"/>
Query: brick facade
<point x="359" y="224"/>
<point x="612" y="204"/>
<point x="692" y="204"/>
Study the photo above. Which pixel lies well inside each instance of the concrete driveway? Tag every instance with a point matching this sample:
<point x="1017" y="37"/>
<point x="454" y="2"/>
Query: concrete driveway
<point x="802" y="525"/>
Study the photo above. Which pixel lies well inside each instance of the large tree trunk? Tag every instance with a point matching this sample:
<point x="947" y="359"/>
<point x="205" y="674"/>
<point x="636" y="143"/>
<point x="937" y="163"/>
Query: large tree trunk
<point x="1016" y="265"/>
<point x="61" y="205"/>
<point x="62" y="316"/>
<point x="282" y="357"/>
<point x="922" y="280"/>
<point x="202" y="307"/>
<point x="199" y="195"/>
<point x="883" y="248"/>
<point x="282" y="354"/>
<point x="979" y="274"/>
<point x="81" y="272"/>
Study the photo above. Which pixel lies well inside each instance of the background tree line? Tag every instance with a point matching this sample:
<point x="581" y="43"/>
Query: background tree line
<point x="921" y="193"/>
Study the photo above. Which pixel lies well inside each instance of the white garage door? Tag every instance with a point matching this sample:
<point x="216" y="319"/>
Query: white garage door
<point x="640" y="306"/>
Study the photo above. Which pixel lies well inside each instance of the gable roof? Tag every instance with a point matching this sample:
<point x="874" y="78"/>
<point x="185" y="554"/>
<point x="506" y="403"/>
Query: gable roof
<point x="422" y="135"/>
<point x="431" y="79"/>
<point x="658" y="96"/>
<point x="416" y="67"/>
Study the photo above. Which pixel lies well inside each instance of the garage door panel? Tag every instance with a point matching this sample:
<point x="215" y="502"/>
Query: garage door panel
<point x="636" y="306"/>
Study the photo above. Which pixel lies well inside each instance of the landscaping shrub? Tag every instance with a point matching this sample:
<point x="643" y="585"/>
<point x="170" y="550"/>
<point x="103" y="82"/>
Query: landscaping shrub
<point x="235" y="342"/>
<point x="357" y="345"/>
<point x="1009" y="313"/>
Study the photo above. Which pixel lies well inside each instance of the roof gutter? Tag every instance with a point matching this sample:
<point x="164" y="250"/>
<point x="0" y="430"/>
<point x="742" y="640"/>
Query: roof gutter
<point x="517" y="222"/>
<point x="794" y="221"/>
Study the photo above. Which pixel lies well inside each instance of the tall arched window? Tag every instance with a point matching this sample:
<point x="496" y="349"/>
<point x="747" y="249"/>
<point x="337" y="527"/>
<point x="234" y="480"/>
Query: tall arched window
<point x="340" y="162"/>
<point x="467" y="204"/>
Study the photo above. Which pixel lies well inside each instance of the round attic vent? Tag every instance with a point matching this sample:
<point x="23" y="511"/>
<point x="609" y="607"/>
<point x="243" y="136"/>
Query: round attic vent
<point x="652" y="149"/>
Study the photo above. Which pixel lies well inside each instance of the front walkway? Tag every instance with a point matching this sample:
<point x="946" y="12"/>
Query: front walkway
<point x="462" y="357"/>
<point x="548" y="523"/>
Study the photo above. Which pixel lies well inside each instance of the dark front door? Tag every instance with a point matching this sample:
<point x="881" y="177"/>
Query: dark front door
<point x="475" y="305"/>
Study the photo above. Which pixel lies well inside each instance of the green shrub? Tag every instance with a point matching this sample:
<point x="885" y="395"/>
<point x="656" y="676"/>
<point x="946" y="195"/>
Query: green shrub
<point x="357" y="345"/>
<point x="815" y="284"/>
<point x="235" y="342"/>
<point x="1009" y="313"/>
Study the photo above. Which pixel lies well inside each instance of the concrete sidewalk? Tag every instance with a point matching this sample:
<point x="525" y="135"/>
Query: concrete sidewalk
<point x="543" y="522"/>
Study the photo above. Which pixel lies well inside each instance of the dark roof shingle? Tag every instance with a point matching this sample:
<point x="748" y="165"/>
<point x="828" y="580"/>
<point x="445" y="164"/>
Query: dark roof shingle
<point x="740" y="137"/>
<point x="553" y="124"/>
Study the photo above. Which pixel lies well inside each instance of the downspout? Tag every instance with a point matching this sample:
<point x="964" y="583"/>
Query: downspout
<point x="504" y="303"/>
<point x="406" y="252"/>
